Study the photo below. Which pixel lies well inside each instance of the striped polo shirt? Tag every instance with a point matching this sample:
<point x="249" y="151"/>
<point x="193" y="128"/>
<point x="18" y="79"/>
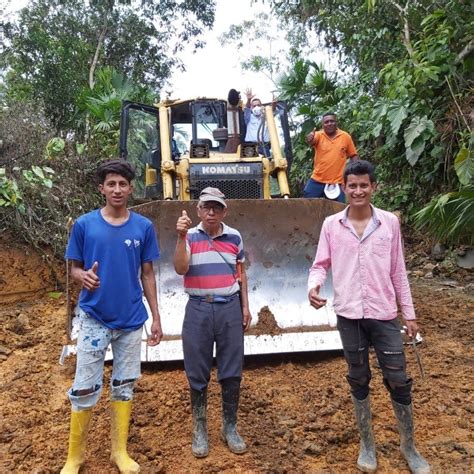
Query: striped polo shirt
<point x="212" y="266"/>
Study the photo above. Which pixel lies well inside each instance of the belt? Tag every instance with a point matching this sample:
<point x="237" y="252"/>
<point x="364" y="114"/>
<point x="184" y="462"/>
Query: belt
<point x="213" y="298"/>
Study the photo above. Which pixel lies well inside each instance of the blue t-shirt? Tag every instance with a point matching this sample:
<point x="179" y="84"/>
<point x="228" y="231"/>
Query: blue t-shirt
<point x="120" y="250"/>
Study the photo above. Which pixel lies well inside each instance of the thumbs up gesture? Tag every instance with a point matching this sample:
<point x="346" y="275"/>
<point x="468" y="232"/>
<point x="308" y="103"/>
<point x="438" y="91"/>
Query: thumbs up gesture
<point x="90" y="278"/>
<point x="183" y="225"/>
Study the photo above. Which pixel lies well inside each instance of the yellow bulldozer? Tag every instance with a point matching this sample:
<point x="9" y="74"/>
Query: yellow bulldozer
<point x="181" y="147"/>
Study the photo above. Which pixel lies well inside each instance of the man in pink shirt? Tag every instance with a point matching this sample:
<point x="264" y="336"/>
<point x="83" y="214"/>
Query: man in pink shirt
<point x="363" y="248"/>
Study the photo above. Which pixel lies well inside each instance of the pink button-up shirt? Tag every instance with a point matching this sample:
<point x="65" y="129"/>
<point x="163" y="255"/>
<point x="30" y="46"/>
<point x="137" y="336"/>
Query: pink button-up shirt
<point x="369" y="275"/>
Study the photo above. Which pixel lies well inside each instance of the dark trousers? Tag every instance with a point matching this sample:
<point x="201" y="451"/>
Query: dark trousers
<point x="357" y="335"/>
<point x="206" y="323"/>
<point x="315" y="189"/>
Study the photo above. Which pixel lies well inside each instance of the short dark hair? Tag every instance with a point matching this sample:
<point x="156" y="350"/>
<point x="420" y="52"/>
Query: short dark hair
<point x="329" y="113"/>
<point x="120" y="167"/>
<point x="360" y="167"/>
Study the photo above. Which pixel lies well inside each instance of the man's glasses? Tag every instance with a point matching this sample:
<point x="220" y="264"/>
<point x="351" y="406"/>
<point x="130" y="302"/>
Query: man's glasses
<point x="216" y="209"/>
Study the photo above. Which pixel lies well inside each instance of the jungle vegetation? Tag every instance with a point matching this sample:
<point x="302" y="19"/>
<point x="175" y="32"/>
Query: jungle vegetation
<point x="402" y="86"/>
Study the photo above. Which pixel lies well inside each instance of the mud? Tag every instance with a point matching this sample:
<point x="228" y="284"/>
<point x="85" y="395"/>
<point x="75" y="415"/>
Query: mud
<point x="295" y="411"/>
<point x="266" y="324"/>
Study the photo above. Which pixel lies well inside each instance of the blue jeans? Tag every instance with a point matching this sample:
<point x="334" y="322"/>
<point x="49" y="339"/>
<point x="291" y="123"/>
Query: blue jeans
<point x="92" y="342"/>
<point x="315" y="189"/>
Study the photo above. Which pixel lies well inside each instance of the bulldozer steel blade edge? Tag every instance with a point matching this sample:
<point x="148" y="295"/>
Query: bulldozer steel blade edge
<point x="280" y="238"/>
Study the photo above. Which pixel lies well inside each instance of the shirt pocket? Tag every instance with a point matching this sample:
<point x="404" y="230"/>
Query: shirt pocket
<point x="381" y="246"/>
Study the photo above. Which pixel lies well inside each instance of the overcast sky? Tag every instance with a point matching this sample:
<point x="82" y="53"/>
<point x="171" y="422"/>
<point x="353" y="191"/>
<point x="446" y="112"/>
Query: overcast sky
<point x="215" y="69"/>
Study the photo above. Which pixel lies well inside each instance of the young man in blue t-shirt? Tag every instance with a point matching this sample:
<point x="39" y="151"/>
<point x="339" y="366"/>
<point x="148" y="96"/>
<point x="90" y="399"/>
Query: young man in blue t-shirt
<point x="111" y="250"/>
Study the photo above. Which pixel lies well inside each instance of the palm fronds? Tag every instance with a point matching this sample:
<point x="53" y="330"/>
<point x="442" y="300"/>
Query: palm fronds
<point x="449" y="217"/>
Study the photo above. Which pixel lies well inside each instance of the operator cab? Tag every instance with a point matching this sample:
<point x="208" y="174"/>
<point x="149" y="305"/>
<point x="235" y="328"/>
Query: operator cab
<point x="199" y="129"/>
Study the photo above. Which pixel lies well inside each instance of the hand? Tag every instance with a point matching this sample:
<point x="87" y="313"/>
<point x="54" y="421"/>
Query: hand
<point x="90" y="279"/>
<point x="314" y="299"/>
<point x="248" y="93"/>
<point x="156" y="333"/>
<point x="412" y="328"/>
<point x="246" y="318"/>
<point x="310" y="137"/>
<point x="183" y="225"/>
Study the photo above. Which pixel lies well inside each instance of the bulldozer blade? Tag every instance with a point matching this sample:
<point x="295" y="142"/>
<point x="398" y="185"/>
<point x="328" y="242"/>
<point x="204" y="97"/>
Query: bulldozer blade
<point x="280" y="238"/>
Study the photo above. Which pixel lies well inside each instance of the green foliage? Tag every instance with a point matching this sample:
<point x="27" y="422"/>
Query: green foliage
<point x="13" y="189"/>
<point x="9" y="194"/>
<point x="38" y="192"/>
<point x="450" y="217"/>
<point x="464" y="164"/>
<point x="101" y="107"/>
<point x="403" y="90"/>
<point x="359" y="39"/>
<point x="54" y="147"/>
<point x="417" y="134"/>
<point x="52" y="47"/>
<point x="43" y="196"/>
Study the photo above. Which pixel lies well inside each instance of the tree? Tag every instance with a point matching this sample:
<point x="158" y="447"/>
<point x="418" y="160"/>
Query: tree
<point x="403" y="88"/>
<point x="55" y="47"/>
<point x="101" y="105"/>
<point x="259" y="45"/>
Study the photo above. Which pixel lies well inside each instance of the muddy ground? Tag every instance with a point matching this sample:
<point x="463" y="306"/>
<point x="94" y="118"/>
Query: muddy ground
<point x="295" y="413"/>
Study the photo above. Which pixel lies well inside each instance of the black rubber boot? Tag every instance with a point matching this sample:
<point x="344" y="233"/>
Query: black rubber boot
<point x="367" y="460"/>
<point x="404" y="415"/>
<point x="200" y="446"/>
<point x="230" y="405"/>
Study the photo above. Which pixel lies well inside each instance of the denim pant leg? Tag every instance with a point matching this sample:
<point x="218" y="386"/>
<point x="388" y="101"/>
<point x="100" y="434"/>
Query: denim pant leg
<point x="341" y="197"/>
<point x="126" y="349"/>
<point x="313" y="189"/>
<point x="355" y="343"/>
<point x="388" y="344"/>
<point x="198" y="343"/>
<point x="229" y="334"/>
<point x="92" y="342"/>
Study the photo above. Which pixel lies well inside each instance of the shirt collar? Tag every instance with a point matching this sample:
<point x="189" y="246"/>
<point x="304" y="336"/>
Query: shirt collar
<point x="225" y="229"/>
<point x="375" y="219"/>
<point x="338" y="132"/>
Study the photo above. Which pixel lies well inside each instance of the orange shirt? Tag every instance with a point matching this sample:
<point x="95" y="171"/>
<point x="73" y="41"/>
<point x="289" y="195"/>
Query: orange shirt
<point x="330" y="155"/>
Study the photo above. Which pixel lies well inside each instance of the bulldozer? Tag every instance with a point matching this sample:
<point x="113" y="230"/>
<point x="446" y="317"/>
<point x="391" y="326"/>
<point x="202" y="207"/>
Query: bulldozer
<point x="180" y="147"/>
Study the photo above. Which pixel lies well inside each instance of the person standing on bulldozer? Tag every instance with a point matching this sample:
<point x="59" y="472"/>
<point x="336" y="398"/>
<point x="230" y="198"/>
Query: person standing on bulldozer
<point x="211" y="256"/>
<point x="332" y="147"/>
<point x="108" y="248"/>
<point x="256" y="129"/>
<point x="362" y="245"/>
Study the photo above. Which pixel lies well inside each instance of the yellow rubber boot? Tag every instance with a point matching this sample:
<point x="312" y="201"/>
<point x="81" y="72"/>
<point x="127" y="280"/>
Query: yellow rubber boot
<point x="77" y="441"/>
<point x="120" y="419"/>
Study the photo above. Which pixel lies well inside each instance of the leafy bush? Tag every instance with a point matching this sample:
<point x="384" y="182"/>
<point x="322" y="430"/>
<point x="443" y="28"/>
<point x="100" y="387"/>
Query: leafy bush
<point x="43" y="181"/>
<point x="450" y="217"/>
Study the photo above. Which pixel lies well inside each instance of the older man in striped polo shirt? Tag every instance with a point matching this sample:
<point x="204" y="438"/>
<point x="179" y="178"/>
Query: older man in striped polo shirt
<point x="211" y="256"/>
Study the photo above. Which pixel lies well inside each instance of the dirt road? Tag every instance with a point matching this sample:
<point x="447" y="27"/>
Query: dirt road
<point x="295" y="413"/>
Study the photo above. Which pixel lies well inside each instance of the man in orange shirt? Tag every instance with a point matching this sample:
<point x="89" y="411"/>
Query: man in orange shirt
<point x="332" y="147"/>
